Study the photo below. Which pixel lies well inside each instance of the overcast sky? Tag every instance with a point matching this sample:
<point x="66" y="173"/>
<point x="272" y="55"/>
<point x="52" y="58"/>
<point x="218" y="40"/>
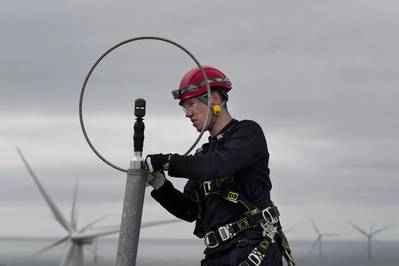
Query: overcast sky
<point x="320" y="77"/>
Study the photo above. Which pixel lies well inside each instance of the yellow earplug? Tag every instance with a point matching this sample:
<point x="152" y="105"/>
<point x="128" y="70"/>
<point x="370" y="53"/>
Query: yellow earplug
<point x="216" y="109"/>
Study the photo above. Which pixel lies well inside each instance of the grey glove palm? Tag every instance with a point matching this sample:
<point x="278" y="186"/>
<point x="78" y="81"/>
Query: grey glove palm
<point x="155" y="179"/>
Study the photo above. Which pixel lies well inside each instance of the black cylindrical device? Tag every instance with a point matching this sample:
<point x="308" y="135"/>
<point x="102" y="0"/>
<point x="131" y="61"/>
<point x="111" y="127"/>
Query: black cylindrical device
<point x="139" y="107"/>
<point x="138" y="137"/>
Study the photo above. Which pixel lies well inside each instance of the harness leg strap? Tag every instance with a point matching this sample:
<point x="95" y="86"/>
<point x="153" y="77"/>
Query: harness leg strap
<point x="257" y="255"/>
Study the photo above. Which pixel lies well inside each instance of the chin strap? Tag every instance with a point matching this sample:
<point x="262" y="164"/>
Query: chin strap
<point x="213" y="120"/>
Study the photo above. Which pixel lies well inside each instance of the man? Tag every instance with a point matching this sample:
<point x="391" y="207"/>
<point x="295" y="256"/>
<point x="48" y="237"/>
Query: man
<point x="228" y="187"/>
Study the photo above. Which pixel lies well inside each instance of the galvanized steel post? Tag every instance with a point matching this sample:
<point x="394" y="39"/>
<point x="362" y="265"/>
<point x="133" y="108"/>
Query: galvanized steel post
<point x="134" y="196"/>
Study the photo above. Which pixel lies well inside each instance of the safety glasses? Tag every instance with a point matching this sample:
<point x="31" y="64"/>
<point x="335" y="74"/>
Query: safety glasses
<point x="189" y="105"/>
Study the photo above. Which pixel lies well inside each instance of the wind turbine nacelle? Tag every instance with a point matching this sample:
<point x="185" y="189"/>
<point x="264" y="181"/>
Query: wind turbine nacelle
<point x="81" y="240"/>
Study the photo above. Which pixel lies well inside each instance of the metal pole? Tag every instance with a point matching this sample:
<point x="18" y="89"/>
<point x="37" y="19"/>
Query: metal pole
<point x="134" y="195"/>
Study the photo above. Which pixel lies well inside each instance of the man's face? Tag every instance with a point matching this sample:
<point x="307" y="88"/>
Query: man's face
<point x="196" y="111"/>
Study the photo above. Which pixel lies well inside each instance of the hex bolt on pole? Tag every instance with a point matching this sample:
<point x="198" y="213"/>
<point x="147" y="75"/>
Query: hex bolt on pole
<point x="134" y="195"/>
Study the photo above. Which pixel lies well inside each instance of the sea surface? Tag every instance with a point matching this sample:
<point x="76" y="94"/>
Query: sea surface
<point x="182" y="252"/>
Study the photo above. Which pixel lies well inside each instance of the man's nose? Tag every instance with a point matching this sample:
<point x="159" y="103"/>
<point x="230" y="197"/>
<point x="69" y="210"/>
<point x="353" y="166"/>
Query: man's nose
<point x="189" y="113"/>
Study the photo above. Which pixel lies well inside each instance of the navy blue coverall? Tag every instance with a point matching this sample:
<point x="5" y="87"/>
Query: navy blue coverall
<point x="240" y="150"/>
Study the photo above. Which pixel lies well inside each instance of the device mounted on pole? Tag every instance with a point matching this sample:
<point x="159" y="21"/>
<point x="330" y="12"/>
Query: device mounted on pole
<point x="139" y="112"/>
<point x="135" y="184"/>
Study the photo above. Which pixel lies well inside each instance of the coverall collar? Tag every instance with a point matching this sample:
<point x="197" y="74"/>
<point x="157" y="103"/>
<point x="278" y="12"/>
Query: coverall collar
<point x="226" y="128"/>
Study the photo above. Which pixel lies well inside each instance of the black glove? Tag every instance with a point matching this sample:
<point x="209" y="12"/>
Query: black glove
<point x="157" y="162"/>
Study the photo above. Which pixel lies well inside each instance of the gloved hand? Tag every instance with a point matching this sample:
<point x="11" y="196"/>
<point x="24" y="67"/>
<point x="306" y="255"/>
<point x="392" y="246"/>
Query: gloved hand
<point x="155" y="179"/>
<point x="157" y="162"/>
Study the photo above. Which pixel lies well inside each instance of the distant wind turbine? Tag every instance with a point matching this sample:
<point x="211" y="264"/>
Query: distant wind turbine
<point x="77" y="238"/>
<point x="319" y="238"/>
<point x="369" y="236"/>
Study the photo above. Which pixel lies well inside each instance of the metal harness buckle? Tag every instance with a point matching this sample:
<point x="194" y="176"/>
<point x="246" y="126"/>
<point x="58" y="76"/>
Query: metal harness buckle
<point x="269" y="231"/>
<point x="208" y="241"/>
<point x="268" y="216"/>
<point x="207" y="187"/>
<point x="255" y="257"/>
<point x="224" y="232"/>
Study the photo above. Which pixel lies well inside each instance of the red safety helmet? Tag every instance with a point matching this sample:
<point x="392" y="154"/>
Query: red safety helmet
<point x="194" y="85"/>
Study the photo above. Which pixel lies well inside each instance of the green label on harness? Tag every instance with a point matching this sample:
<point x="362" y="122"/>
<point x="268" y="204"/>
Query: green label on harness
<point x="232" y="196"/>
<point x="264" y="245"/>
<point x="243" y="224"/>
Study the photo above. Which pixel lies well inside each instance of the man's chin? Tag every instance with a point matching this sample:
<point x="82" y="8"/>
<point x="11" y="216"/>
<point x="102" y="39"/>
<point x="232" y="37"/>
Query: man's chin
<point x="198" y="128"/>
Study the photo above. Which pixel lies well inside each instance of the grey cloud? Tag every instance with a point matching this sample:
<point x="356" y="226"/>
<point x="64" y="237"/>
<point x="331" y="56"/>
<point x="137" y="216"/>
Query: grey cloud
<point x="319" y="76"/>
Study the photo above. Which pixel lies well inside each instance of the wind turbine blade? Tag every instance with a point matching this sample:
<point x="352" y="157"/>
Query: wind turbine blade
<point x="62" y="240"/>
<point x="314" y="244"/>
<point x="382" y="229"/>
<point x="109" y="227"/>
<point x="92" y="223"/>
<point x="315" y="227"/>
<point x="143" y="224"/>
<point x="358" y="228"/>
<point x="95" y="233"/>
<point x="330" y="234"/>
<point x="156" y="223"/>
<point x="58" y="215"/>
<point x="109" y="230"/>
<point x="69" y="255"/>
<point x="73" y="211"/>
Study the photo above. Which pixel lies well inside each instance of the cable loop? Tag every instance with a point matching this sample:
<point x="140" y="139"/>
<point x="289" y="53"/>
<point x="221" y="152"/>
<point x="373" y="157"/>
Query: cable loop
<point x="208" y="116"/>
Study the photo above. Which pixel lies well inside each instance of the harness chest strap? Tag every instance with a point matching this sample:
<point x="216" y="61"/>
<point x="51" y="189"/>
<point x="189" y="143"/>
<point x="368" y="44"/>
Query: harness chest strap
<point x="208" y="187"/>
<point x="266" y="218"/>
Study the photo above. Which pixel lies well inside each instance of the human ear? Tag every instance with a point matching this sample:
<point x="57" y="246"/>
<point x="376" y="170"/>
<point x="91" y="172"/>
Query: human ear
<point x="216" y="98"/>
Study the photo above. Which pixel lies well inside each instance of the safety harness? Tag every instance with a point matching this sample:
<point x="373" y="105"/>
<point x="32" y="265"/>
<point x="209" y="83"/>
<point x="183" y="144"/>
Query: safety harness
<point x="265" y="216"/>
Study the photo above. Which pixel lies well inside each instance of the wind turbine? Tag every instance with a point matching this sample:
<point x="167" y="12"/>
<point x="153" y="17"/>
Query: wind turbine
<point x="319" y="238"/>
<point x="369" y="235"/>
<point x="76" y="237"/>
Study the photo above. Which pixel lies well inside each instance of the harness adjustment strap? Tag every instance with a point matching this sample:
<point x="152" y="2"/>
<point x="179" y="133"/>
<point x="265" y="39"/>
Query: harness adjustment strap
<point x="210" y="186"/>
<point x="257" y="255"/>
<point x="250" y="219"/>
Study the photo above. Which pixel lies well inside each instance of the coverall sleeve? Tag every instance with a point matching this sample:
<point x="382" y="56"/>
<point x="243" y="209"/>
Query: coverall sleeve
<point x="177" y="203"/>
<point x="245" y="146"/>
